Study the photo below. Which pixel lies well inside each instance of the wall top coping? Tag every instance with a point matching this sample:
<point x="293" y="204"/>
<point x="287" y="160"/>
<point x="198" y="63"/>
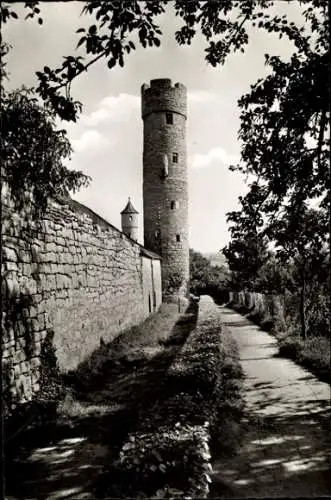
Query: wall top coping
<point x="76" y="206"/>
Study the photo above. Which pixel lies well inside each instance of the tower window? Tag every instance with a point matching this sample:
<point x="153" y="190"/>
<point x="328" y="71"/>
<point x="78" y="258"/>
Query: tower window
<point x="157" y="234"/>
<point x="169" y="119"/>
<point x="174" y="157"/>
<point x="174" y="204"/>
<point x="177" y="237"/>
<point x="130" y="217"/>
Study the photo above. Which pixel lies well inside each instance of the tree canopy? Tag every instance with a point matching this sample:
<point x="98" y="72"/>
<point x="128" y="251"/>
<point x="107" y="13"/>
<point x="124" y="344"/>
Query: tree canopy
<point x="285" y="118"/>
<point x="33" y="151"/>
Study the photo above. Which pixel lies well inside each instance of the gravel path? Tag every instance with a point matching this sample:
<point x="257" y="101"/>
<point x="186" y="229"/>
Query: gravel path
<point x="286" y="443"/>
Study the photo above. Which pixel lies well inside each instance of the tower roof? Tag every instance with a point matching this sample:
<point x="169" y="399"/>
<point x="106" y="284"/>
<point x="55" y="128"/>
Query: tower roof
<point x="129" y="209"/>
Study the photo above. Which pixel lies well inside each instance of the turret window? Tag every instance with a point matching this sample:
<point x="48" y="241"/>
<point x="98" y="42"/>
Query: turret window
<point x="130" y="217"/>
<point x="174" y="157"/>
<point x="178" y="237"/>
<point x="169" y="119"/>
<point x="157" y="234"/>
<point x="174" y="204"/>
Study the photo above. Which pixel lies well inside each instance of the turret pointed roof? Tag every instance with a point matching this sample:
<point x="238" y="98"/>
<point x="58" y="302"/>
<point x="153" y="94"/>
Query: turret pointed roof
<point x="129" y="209"/>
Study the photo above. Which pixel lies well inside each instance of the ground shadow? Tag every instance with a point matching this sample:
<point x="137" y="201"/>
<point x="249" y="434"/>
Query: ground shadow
<point x="282" y="455"/>
<point x="68" y="457"/>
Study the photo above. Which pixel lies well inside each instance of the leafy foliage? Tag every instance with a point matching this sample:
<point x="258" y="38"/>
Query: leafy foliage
<point x="207" y="279"/>
<point x="167" y="463"/>
<point x="33" y="151"/>
<point x="116" y="26"/>
<point x="247" y="251"/>
<point x="168" y="455"/>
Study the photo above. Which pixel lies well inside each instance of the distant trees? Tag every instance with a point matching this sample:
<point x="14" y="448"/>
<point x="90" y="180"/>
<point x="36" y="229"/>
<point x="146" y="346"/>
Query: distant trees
<point x="207" y="279"/>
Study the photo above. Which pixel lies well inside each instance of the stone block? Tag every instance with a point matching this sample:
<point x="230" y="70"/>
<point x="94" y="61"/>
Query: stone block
<point x="50" y="282"/>
<point x="26" y="269"/>
<point x="34" y="268"/>
<point x="18" y="356"/>
<point x="60" y="241"/>
<point x="29" y="288"/>
<point x="25" y="368"/>
<point x="59" y="281"/>
<point x="52" y="257"/>
<point x="9" y="254"/>
<point x="35" y="253"/>
<point x="35" y="362"/>
<point x="41" y="321"/>
<point x="12" y="287"/>
<point x="24" y="256"/>
<point x="37" y="299"/>
<point x="36" y="386"/>
<point x="37" y="349"/>
<point x="10" y="266"/>
<point x="21" y="343"/>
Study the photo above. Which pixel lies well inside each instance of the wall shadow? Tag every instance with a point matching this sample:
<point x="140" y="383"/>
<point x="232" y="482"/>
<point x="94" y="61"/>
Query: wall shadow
<point x="68" y="456"/>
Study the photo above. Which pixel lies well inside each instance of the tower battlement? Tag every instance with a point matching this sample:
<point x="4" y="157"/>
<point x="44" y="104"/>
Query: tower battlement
<point x="162" y="95"/>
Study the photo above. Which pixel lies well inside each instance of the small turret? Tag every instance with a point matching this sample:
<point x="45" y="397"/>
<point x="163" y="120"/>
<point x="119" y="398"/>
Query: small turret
<point x="130" y="221"/>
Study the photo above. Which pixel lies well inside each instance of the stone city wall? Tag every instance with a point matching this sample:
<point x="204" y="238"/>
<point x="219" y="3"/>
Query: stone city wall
<point x="71" y="278"/>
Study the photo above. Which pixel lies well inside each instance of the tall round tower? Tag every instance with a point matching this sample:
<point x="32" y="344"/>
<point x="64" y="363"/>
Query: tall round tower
<point x="165" y="183"/>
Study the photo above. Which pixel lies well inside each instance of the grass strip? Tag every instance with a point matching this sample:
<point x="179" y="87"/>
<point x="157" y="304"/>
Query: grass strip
<point x="168" y="455"/>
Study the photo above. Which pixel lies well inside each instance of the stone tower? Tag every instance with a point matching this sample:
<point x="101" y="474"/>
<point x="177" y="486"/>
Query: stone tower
<point x="165" y="182"/>
<point x="129" y="217"/>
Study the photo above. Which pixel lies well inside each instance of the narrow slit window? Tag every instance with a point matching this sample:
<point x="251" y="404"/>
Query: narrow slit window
<point x="174" y="157"/>
<point x="157" y="234"/>
<point x="173" y="205"/>
<point x="177" y="237"/>
<point x="169" y="119"/>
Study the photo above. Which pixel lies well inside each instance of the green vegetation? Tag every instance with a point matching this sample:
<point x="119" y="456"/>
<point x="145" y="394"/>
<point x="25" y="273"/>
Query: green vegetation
<point x="206" y="279"/>
<point x="185" y="366"/>
<point x="280" y="236"/>
<point x="200" y="401"/>
<point x="33" y="151"/>
<point x="313" y="352"/>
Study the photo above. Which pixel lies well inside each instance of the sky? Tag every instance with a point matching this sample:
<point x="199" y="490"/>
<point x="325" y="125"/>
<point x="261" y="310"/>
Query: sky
<point x="107" y="140"/>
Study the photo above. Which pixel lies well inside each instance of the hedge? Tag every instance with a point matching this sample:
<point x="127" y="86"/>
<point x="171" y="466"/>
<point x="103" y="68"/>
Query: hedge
<point x="168" y="455"/>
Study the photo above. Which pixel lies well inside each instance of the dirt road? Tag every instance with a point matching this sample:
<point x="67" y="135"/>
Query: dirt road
<point x="286" y="445"/>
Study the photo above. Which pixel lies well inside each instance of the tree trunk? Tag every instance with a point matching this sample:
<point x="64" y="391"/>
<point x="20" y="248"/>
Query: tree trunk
<point x="302" y="305"/>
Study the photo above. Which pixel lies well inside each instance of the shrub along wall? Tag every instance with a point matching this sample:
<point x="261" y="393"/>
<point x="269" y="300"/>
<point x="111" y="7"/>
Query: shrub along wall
<point x="168" y="454"/>
<point x="71" y="278"/>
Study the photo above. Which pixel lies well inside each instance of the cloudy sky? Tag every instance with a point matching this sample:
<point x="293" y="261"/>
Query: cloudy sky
<point x="107" y="140"/>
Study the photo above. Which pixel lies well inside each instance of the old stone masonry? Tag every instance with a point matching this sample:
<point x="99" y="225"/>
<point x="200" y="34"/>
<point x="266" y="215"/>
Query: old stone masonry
<point x="72" y="278"/>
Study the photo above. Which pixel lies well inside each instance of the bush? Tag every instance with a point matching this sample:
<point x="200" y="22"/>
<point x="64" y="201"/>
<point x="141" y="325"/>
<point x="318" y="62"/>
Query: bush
<point x="317" y="349"/>
<point x="313" y="353"/>
<point x="200" y="397"/>
<point x="164" y="464"/>
<point x="289" y="347"/>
